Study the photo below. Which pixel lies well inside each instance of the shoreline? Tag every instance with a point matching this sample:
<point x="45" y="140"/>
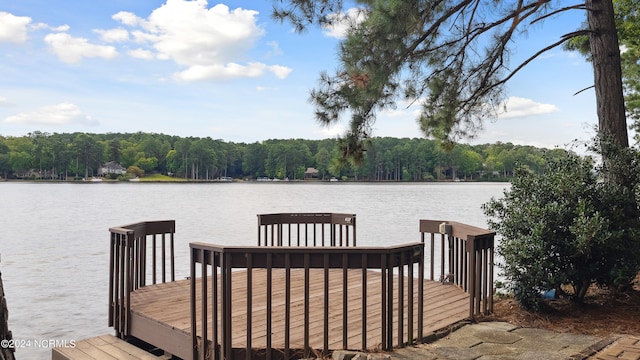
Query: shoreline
<point x="252" y="181"/>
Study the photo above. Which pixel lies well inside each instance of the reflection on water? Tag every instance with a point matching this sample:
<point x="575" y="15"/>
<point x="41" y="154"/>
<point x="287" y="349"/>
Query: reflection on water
<point x="54" y="239"/>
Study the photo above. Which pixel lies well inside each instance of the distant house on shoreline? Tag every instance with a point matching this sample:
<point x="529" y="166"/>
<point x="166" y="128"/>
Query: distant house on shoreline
<point x="111" y="167"/>
<point x="311" y="173"/>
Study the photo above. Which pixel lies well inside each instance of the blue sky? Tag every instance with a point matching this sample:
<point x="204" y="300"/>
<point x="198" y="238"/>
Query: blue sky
<point x="228" y="71"/>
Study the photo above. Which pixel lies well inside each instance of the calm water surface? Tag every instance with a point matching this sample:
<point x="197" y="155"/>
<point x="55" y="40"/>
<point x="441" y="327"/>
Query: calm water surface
<point x="54" y="237"/>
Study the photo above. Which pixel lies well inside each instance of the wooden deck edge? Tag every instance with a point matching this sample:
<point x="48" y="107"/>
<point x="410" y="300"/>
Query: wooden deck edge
<point x="104" y="347"/>
<point x="173" y="341"/>
<point x="448" y="306"/>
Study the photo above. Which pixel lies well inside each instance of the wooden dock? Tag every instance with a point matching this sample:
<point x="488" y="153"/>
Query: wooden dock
<point x="305" y="289"/>
<point x="161" y="316"/>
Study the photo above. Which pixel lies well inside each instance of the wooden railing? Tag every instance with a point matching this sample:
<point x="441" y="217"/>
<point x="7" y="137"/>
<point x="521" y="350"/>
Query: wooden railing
<point x="307" y="229"/>
<point x="465" y="255"/>
<point x="134" y="263"/>
<point x="311" y="243"/>
<point x="215" y="265"/>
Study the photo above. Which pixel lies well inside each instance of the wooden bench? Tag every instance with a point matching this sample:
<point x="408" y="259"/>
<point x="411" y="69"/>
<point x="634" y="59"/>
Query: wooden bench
<point x="104" y="347"/>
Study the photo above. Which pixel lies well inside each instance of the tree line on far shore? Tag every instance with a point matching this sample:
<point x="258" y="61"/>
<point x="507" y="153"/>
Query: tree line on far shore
<point x="41" y="155"/>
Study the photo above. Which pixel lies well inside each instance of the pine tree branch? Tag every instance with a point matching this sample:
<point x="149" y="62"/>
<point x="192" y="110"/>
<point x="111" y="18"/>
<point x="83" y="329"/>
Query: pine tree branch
<point x="585" y="89"/>
<point x="564" y="39"/>
<point x="574" y="7"/>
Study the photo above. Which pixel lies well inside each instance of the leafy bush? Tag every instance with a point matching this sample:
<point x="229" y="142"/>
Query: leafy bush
<point x="575" y="224"/>
<point x="135" y="171"/>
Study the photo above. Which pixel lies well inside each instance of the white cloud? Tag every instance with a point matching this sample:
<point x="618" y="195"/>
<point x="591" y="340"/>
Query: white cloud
<point x="230" y="71"/>
<point x="259" y="88"/>
<point x="517" y="107"/>
<point x="141" y="54"/>
<point x="13" y="28"/>
<point x="142" y="37"/>
<point x="281" y="72"/>
<point x="127" y="18"/>
<point x="113" y="35"/>
<point x="61" y="28"/>
<point x="54" y="115"/>
<point x="4" y="102"/>
<point x="192" y="35"/>
<point x="209" y="42"/>
<point x="342" y="22"/>
<point x="40" y="26"/>
<point x="275" y="48"/>
<point x="219" y="71"/>
<point x="332" y="131"/>
<point x="72" y="50"/>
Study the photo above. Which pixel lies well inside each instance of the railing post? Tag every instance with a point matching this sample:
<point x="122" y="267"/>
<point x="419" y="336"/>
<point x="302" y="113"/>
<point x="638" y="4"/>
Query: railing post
<point x="269" y="304"/>
<point x="129" y="279"/>
<point x="287" y="300"/>
<point x="490" y="271"/>
<point x="216" y="271"/>
<point x="401" y="299"/>
<point x="306" y="304"/>
<point x="410" y="299"/>
<point x="192" y="302"/>
<point x="250" y="304"/>
<point x="226" y="305"/>
<point x="364" y="301"/>
<point x="153" y="259"/>
<point x="345" y="299"/>
<point x="472" y="279"/>
<point x="121" y="287"/>
<point x="173" y="260"/>
<point x="325" y="319"/>
<point x="421" y="292"/>
<point x="353" y="222"/>
<point x="204" y="339"/>
<point x="390" y="266"/>
<point x="383" y="279"/>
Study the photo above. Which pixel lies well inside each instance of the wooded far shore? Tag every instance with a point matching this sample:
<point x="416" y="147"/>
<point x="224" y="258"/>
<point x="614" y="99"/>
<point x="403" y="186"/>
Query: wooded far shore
<point x="126" y="156"/>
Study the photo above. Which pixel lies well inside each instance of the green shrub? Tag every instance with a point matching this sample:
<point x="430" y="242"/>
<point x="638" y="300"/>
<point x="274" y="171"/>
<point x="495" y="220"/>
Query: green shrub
<point x="575" y="224"/>
<point x="135" y="171"/>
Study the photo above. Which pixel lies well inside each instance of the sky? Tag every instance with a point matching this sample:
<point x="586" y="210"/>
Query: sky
<point x="228" y="71"/>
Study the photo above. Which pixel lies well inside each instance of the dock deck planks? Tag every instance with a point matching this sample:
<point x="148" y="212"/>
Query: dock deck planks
<point x="164" y="308"/>
<point x="104" y="347"/>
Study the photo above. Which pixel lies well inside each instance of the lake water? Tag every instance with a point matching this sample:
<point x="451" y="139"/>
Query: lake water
<point x="54" y="239"/>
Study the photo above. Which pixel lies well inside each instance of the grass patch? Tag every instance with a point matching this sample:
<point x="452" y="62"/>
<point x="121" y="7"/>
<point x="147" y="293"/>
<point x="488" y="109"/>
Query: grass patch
<point x="160" y="178"/>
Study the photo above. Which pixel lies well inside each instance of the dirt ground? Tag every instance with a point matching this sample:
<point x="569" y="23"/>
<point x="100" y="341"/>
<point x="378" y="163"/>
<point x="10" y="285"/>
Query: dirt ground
<point x="602" y="314"/>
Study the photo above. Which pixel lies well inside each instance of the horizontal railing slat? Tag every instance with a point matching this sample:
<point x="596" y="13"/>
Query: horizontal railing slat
<point x="306" y="218"/>
<point x="316" y="260"/>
